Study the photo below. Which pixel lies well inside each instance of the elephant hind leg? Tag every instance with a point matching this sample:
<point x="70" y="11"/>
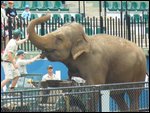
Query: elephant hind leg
<point x="134" y="99"/>
<point x="118" y="96"/>
<point x="92" y="104"/>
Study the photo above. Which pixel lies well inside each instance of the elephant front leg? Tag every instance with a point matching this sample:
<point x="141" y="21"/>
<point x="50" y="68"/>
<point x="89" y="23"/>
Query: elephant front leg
<point x="92" y="103"/>
<point x="134" y="100"/>
<point x="118" y="96"/>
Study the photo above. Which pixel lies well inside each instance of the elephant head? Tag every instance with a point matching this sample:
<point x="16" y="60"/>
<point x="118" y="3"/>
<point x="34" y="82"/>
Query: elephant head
<point x="68" y="41"/>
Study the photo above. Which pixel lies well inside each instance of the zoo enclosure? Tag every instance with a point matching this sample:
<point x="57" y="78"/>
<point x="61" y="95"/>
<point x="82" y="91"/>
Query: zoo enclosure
<point x="74" y="98"/>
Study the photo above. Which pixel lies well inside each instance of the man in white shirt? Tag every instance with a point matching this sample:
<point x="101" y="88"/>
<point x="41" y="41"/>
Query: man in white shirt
<point x="4" y="33"/>
<point x="8" y="60"/>
<point x="3" y="12"/>
<point x="50" y="75"/>
<point x="21" y="62"/>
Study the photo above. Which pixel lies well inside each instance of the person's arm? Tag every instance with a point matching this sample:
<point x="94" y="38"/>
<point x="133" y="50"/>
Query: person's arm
<point x="22" y="41"/>
<point x="2" y="17"/>
<point x="16" y="16"/>
<point x="7" y="12"/>
<point x="3" y="13"/>
<point x="54" y="77"/>
<point x="44" y="78"/>
<point x="29" y="17"/>
<point x="15" y="11"/>
<point x="6" y="18"/>
<point x="11" y="59"/>
<point x="32" y="60"/>
<point x="22" y="15"/>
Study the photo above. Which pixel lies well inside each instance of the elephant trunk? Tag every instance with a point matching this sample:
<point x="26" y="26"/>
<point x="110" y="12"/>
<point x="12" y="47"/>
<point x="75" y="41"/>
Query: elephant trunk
<point x="39" y="41"/>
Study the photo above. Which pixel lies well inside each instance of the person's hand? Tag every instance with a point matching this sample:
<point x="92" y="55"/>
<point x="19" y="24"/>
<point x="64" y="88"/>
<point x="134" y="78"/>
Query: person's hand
<point x="48" y="78"/>
<point x="16" y="18"/>
<point x="48" y="13"/>
<point x="42" y="56"/>
<point x="8" y="15"/>
<point x="38" y="56"/>
<point x="29" y="81"/>
<point x="15" y="66"/>
<point x="27" y="36"/>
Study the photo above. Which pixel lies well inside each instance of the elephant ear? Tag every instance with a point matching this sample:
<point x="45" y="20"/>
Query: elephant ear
<point x="79" y="47"/>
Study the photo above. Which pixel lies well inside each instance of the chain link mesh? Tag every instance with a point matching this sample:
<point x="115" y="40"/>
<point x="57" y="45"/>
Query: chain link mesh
<point x="111" y="98"/>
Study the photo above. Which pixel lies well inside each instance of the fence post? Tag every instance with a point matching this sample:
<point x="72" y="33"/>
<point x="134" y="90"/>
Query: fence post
<point x="121" y="18"/>
<point x="100" y="8"/>
<point x="42" y="28"/>
<point x="148" y="22"/>
<point x="79" y="6"/>
<point x="105" y="14"/>
<point x="100" y="17"/>
<point x="10" y="27"/>
<point x="128" y="22"/>
<point x="84" y="8"/>
<point x="21" y="96"/>
<point x="128" y="27"/>
<point x="101" y="25"/>
<point x="100" y="100"/>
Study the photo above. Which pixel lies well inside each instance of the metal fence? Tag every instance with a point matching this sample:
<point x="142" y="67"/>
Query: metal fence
<point x="76" y="98"/>
<point x="133" y="29"/>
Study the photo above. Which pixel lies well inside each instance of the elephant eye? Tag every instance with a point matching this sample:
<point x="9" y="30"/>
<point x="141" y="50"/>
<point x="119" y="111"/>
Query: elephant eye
<point x="59" y="40"/>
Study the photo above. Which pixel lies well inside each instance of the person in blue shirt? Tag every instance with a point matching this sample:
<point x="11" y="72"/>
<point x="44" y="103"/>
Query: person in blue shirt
<point x="26" y="14"/>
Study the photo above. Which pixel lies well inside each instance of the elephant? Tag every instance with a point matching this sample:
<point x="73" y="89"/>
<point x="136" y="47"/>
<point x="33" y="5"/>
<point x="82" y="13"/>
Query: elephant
<point x="99" y="59"/>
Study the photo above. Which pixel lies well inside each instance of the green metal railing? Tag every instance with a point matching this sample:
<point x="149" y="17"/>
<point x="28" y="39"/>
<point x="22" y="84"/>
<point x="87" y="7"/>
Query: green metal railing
<point x="128" y="28"/>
